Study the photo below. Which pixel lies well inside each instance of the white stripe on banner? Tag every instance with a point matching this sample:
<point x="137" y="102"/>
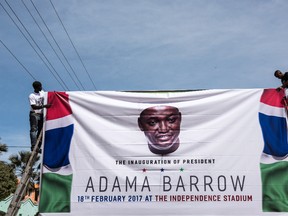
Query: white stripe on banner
<point x="59" y="122"/>
<point x="272" y="110"/>
<point x="66" y="170"/>
<point x="269" y="159"/>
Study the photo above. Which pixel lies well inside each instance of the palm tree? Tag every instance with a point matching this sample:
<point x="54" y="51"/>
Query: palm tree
<point x="19" y="163"/>
<point x="8" y="179"/>
<point x="3" y="148"/>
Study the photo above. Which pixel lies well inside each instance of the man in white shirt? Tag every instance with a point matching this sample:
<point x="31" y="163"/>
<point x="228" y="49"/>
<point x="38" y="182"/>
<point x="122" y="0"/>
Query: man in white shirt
<point x="36" y="100"/>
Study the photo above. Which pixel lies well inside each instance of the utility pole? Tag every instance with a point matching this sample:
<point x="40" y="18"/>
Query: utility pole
<point x="18" y="195"/>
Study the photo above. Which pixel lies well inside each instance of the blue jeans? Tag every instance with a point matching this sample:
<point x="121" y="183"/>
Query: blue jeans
<point x="36" y="124"/>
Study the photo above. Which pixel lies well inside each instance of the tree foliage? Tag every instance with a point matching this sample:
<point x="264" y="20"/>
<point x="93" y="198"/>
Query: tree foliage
<point x="3" y="147"/>
<point x="8" y="181"/>
<point x="16" y="168"/>
<point x="19" y="163"/>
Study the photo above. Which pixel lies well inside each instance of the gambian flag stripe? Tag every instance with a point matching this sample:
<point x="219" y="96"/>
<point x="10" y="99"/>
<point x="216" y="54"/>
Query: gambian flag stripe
<point x="57" y="173"/>
<point x="60" y="122"/>
<point x="274" y="164"/>
<point x="274" y="130"/>
<point x="65" y="170"/>
<point x="57" y="142"/>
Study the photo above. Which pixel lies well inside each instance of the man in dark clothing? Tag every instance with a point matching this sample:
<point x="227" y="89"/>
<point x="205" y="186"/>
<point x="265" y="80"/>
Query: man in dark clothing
<point x="284" y="79"/>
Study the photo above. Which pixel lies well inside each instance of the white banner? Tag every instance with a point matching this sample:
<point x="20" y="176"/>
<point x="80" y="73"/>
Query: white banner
<point x="163" y="153"/>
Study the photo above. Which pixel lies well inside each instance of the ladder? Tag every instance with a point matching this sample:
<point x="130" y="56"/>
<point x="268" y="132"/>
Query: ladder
<point x="21" y="188"/>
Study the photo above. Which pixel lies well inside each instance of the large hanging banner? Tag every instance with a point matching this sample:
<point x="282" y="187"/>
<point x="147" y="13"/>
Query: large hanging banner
<point x="209" y="152"/>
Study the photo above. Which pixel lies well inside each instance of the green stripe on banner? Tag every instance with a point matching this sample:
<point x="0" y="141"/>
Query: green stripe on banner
<point x="275" y="187"/>
<point x="55" y="193"/>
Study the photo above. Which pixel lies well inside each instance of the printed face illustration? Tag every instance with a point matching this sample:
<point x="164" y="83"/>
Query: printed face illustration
<point x="161" y="126"/>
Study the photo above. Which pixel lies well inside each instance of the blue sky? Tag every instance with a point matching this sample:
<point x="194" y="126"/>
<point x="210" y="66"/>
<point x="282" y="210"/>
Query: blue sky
<point x="135" y="45"/>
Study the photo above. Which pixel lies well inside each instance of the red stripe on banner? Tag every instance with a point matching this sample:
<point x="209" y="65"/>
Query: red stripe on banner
<point x="272" y="97"/>
<point x="60" y="106"/>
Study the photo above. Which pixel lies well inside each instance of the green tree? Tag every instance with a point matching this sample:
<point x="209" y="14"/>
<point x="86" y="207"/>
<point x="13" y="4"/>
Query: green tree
<point x="19" y="163"/>
<point x="8" y="181"/>
<point x="3" y="147"/>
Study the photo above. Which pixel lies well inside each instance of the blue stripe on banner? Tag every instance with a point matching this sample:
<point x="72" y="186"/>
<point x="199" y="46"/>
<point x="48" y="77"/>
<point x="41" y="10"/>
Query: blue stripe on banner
<point x="274" y="130"/>
<point x="57" y="145"/>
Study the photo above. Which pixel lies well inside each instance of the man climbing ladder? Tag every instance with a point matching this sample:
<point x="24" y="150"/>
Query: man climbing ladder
<point x="36" y="100"/>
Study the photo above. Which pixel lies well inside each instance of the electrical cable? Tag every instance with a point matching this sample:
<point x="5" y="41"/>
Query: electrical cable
<point x="50" y="43"/>
<point x="72" y="44"/>
<point x="36" y="45"/>
<point x="64" y="86"/>
<point x="57" y="44"/>
<point x="18" y="60"/>
<point x="15" y="146"/>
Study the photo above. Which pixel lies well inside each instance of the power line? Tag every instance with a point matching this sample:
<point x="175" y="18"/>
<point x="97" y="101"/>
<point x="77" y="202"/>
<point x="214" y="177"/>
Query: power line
<point x="15" y="146"/>
<point x="72" y="44"/>
<point x="18" y="60"/>
<point x="49" y="43"/>
<point x="37" y="45"/>
<point x="57" y="44"/>
<point x="63" y="85"/>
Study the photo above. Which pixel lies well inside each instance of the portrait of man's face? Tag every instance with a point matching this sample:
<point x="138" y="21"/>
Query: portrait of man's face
<point x="161" y="126"/>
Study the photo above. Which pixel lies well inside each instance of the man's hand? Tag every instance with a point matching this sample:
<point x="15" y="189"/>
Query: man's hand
<point x="47" y="106"/>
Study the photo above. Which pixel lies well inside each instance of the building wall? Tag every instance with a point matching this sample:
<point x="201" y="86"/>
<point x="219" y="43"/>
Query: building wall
<point x="27" y="208"/>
